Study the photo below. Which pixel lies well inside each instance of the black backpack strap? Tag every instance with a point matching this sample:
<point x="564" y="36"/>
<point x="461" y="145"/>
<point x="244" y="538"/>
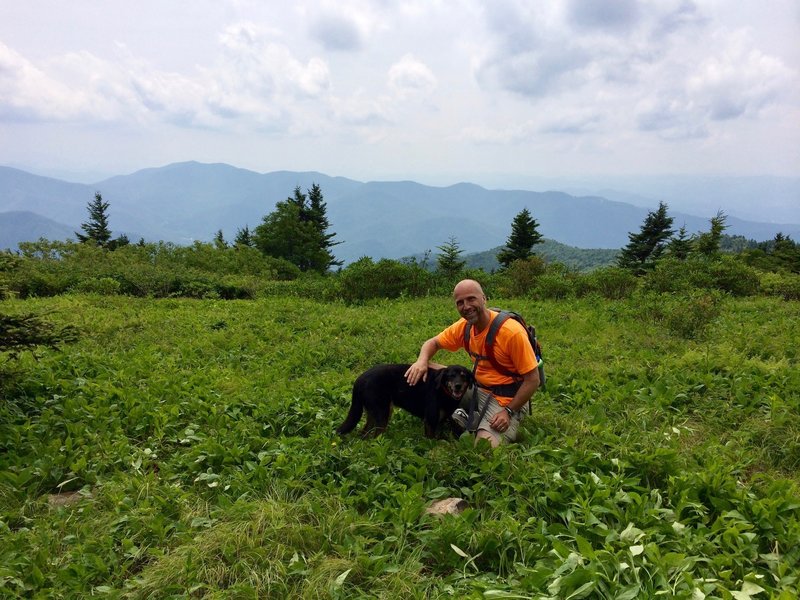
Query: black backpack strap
<point x="494" y="327"/>
<point x="473" y="355"/>
<point x="509" y="389"/>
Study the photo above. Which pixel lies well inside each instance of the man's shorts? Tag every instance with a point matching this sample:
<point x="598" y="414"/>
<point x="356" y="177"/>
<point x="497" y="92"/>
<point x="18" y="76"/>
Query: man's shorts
<point x="510" y="434"/>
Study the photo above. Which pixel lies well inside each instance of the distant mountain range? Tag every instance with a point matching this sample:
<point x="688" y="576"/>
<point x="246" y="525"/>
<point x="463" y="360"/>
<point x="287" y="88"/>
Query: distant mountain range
<point x="190" y="201"/>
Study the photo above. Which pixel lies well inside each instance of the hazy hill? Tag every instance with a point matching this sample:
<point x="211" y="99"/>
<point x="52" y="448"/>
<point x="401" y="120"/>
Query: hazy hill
<point x="186" y="201"/>
<point x="579" y="259"/>
<point x="25" y="226"/>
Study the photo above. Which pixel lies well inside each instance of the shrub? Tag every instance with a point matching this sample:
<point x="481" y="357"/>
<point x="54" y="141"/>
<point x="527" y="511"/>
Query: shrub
<point x="237" y="287"/>
<point x="365" y="279"/>
<point x="519" y="278"/>
<point x="687" y="316"/>
<point x="785" y="285"/>
<point x="24" y="332"/>
<point x="613" y="283"/>
<point x="196" y="288"/>
<point x="725" y="273"/>
<point x="731" y="275"/>
<point x="555" y="286"/>
<point x="105" y="286"/>
<point x="312" y="286"/>
<point x="675" y="275"/>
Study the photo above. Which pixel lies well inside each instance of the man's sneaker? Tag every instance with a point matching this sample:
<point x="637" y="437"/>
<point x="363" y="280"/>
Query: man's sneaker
<point x="460" y="417"/>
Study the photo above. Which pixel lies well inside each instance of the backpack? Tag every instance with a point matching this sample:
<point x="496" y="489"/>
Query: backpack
<point x="494" y="327"/>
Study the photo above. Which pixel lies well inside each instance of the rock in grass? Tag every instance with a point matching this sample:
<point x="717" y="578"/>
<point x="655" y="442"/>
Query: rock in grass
<point x="447" y="506"/>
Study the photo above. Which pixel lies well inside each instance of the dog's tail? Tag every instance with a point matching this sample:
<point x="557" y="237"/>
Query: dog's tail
<point x="353" y="416"/>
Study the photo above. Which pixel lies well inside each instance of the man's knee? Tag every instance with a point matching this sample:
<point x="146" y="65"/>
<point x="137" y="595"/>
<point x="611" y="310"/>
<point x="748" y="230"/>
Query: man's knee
<point x="493" y="439"/>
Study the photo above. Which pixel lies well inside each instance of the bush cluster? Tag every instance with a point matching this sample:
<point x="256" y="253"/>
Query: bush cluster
<point x="160" y="270"/>
<point x="724" y="273"/>
<point x="366" y="279"/>
<point x="203" y="270"/>
<point x="686" y="315"/>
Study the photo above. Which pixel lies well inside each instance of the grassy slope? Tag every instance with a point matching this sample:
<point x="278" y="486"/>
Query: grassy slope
<point x="200" y="435"/>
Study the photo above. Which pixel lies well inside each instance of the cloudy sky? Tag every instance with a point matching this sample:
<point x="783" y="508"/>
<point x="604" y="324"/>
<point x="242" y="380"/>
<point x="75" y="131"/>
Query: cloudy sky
<point x="433" y="90"/>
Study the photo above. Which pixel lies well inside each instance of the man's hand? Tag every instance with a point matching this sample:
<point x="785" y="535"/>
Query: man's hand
<point x="416" y="373"/>
<point x="500" y="421"/>
<point x="419" y="370"/>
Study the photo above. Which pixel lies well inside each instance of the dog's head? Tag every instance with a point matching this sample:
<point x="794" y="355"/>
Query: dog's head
<point x="455" y="380"/>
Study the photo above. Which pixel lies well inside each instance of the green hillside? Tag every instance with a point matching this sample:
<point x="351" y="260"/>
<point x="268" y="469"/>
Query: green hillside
<point x="577" y="259"/>
<point x="185" y="448"/>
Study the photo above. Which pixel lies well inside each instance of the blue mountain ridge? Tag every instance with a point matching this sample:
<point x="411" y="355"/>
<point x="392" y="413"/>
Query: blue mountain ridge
<point x="188" y="201"/>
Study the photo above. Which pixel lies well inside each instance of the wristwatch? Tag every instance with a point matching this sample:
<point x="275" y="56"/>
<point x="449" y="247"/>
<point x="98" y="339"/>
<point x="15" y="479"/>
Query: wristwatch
<point x="511" y="413"/>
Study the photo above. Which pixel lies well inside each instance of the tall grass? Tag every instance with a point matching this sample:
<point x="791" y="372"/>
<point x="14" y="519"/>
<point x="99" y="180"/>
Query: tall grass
<point x="198" y="437"/>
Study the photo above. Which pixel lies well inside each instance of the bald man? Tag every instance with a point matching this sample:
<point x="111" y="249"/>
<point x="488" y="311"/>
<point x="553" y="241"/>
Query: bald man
<point x="505" y="397"/>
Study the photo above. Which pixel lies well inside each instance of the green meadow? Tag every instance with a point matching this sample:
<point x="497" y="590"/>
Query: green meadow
<point x="184" y="448"/>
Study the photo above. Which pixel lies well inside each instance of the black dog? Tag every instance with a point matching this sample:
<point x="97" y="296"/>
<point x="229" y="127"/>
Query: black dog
<point x="384" y="386"/>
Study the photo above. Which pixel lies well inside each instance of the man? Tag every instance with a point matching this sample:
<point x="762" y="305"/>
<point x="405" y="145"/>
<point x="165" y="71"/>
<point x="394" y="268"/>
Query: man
<point x="512" y="351"/>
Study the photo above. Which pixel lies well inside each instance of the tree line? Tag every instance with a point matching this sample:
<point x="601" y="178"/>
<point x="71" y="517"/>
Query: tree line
<point x="298" y="231"/>
<point x="291" y="253"/>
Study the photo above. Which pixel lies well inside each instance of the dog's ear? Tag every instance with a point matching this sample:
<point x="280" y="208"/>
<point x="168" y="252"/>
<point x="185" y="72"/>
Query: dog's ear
<point x="438" y="379"/>
<point x="470" y="376"/>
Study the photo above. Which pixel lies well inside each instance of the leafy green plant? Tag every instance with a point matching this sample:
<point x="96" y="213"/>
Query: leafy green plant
<point x="520" y="276"/>
<point x="614" y="283"/>
<point x="365" y="280"/>
<point x="185" y="447"/>
<point x="688" y="316"/>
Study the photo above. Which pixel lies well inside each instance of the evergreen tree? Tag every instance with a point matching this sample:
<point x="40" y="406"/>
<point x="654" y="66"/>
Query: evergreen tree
<point x="317" y="211"/>
<point x="26" y="331"/>
<point x="707" y="244"/>
<point x="244" y="237"/>
<point x="647" y="246"/>
<point x="449" y="263"/>
<point x="524" y="236"/>
<point x="118" y="242"/>
<point x="786" y="253"/>
<point x="297" y="231"/>
<point x="681" y="246"/>
<point x="95" y="230"/>
<point x="219" y="240"/>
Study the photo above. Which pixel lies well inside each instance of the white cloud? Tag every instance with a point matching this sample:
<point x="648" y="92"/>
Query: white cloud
<point x="360" y="109"/>
<point x="738" y="81"/>
<point x="409" y="77"/>
<point x="29" y="93"/>
<point x="658" y="68"/>
<point x="618" y="15"/>
<point x="255" y="65"/>
<point x="450" y="77"/>
<point x="337" y="32"/>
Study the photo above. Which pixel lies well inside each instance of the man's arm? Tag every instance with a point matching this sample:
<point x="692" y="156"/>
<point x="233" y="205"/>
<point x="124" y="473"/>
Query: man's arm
<point x="419" y="370"/>
<point x="530" y="383"/>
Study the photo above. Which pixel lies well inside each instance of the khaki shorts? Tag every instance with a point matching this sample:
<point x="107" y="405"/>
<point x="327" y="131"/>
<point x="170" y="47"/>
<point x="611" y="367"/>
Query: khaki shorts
<point x="510" y="434"/>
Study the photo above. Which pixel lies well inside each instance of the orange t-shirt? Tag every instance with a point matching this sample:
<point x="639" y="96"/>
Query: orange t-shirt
<point x="512" y="350"/>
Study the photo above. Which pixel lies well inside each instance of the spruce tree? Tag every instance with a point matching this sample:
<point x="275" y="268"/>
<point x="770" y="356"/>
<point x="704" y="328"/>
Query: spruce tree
<point x="243" y="237"/>
<point x="318" y="212"/>
<point x="680" y="246"/>
<point x="524" y="236"/>
<point x="707" y="244"/>
<point x="95" y="230"/>
<point x="647" y="246"/>
<point x="449" y="263"/>
<point x="219" y="240"/>
<point x="297" y="231"/>
<point x="26" y="331"/>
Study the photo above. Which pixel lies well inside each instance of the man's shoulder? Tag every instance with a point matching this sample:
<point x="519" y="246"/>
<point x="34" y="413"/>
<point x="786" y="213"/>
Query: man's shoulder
<point x="510" y="327"/>
<point x="456" y="327"/>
